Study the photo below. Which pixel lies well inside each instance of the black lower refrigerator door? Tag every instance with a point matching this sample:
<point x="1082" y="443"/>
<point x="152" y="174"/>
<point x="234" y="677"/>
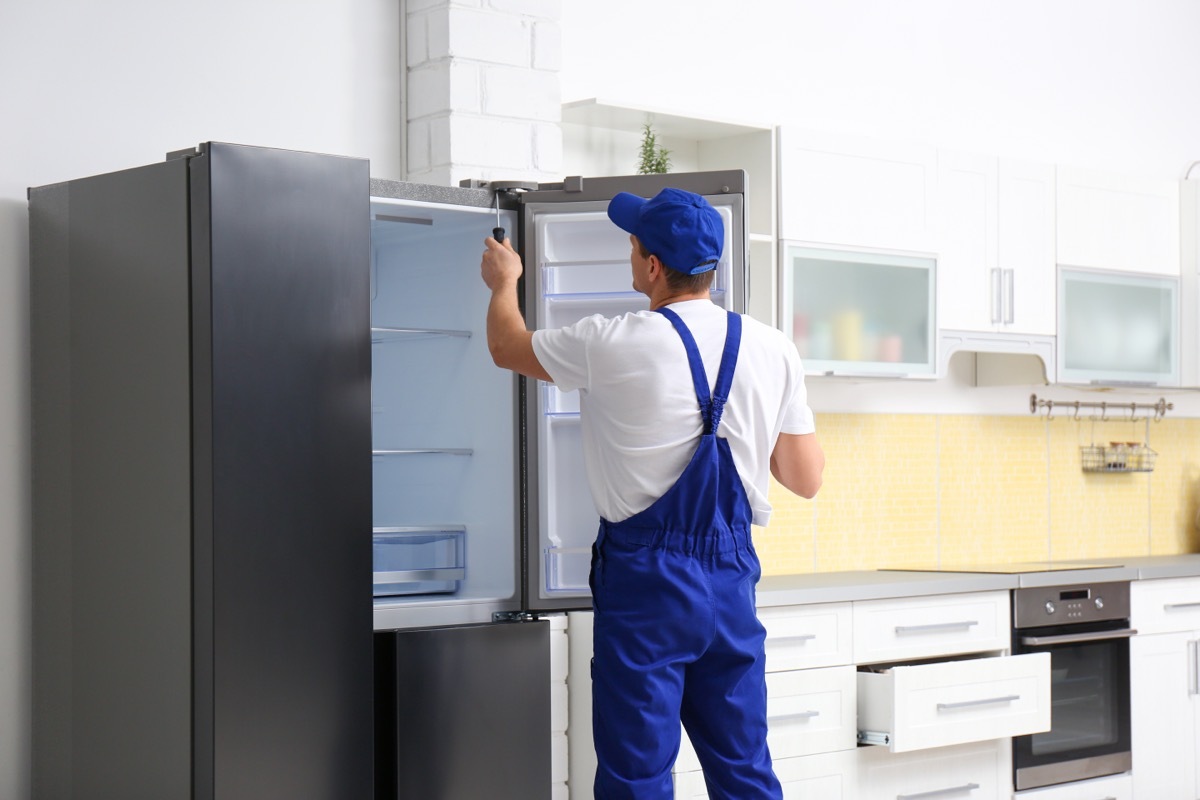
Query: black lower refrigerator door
<point x="463" y="713"/>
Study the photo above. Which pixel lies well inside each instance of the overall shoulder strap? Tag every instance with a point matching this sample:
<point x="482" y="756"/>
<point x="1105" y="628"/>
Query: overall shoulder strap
<point x="699" y="378"/>
<point x="733" y="341"/>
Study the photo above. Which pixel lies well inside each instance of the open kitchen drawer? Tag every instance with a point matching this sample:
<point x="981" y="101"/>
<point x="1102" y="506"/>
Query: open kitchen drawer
<point x="918" y="706"/>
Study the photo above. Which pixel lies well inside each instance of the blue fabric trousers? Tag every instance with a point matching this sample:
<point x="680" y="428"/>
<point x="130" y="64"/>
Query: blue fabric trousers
<point x="676" y="634"/>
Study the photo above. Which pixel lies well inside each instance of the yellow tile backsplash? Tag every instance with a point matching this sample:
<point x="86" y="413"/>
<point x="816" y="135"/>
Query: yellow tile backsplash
<point x="915" y="490"/>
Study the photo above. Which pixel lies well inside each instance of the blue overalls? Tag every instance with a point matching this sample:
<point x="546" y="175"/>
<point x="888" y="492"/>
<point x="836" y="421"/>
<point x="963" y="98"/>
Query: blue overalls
<point x="676" y="634"/>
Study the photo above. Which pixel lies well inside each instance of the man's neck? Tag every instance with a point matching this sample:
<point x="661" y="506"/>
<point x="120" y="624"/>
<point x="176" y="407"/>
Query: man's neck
<point x="679" y="297"/>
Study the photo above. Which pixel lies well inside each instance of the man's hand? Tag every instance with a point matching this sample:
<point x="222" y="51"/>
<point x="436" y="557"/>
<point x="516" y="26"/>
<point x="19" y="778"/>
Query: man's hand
<point x="510" y="344"/>
<point x="501" y="266"/>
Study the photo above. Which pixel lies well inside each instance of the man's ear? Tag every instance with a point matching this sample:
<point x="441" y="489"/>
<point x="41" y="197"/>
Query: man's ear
<point x="656" y="267"/>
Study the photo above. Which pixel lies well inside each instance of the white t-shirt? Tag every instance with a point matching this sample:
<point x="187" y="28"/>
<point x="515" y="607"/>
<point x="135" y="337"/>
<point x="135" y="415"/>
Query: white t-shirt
<point x="641" y="422"/>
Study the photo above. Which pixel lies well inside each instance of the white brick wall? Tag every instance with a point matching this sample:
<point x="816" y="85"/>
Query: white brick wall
<point x="483" y="97"/>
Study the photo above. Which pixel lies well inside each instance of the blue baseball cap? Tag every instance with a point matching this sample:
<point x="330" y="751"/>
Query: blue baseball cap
<point x="679" y="227"/>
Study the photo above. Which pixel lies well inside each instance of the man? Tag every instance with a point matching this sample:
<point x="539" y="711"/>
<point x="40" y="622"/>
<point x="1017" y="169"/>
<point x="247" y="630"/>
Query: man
<point x="678" y="465"/>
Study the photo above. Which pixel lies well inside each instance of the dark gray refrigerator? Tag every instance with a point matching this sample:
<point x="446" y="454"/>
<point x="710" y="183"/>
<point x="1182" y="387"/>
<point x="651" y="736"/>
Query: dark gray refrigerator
<point x="288" y="514"/>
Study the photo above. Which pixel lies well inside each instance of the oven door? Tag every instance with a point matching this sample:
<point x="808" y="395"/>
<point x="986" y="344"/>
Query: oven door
<point x="1089" y="701"/>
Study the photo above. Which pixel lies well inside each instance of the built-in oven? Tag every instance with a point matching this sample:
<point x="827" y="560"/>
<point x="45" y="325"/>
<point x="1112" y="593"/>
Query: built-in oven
<point x="1085" y="629"/>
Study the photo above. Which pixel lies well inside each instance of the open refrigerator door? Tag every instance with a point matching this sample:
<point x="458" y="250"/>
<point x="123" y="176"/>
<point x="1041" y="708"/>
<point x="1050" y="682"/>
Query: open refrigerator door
<point x="577" y="263"/>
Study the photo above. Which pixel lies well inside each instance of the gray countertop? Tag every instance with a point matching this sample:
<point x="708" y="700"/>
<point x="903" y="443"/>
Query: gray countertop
<point x="840" y="587"/>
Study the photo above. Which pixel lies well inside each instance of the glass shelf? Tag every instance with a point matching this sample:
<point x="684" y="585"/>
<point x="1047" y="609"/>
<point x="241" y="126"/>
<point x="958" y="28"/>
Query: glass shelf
<point x="418" y="560"/>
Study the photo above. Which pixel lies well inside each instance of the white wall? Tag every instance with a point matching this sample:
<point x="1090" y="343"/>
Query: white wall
<point x="1104" y="83"/>
<point x="88" y="87"/>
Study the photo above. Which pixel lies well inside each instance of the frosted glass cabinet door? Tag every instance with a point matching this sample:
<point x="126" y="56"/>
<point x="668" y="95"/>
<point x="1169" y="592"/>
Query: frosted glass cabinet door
<point x="860" y="313"/>
<point x="1117" y="328"/>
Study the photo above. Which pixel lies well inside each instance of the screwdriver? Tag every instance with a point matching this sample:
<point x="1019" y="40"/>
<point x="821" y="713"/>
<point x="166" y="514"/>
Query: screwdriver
<point x="498" y="231"/>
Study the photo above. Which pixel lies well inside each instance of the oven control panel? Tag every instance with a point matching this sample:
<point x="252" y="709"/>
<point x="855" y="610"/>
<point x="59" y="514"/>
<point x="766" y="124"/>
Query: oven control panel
<point x="1035" y="607"/>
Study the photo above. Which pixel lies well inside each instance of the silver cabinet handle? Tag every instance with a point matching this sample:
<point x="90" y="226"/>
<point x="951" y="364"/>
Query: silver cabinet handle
<point x="939" y="626"/>
<point x="966" y="787"/>
<point x="1173" y="606"/>
<point x="1095" y="636"/>
<point x="1008" y="698"/>
<point x="801" y="638"/>
<point x="1012" y="280"/>
<point x="1193" y="667"/>
<point x="997" y="312"/>
<point x="800" y="715"/>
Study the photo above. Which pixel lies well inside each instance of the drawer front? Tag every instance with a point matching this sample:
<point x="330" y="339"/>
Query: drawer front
<point x="1165" y="606"/>
<point x="1114" y="787"/>
<point x="804" y="637"/>
<point x="808" y="711"/>
<point x="966" y="772"/>
<point x="954" y="702"/>
<point x="924" y="627"/>
<point x="827" y="776"/>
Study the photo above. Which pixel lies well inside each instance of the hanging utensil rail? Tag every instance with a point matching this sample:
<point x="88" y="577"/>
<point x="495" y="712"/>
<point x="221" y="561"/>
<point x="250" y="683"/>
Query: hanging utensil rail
<point x="1160" y="408"/>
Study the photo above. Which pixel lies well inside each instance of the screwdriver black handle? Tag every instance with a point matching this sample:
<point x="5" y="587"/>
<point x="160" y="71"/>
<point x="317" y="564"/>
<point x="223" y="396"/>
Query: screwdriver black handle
<point x="498" y="234"/>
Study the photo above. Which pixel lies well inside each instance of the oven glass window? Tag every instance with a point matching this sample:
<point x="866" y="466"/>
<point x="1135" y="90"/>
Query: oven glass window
<point x="1085" y="691"/>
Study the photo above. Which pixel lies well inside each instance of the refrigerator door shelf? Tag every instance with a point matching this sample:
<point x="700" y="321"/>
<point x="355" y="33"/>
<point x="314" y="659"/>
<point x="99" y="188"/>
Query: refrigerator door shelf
<point x="418" y="560"/>
<point x="568" y="568"/>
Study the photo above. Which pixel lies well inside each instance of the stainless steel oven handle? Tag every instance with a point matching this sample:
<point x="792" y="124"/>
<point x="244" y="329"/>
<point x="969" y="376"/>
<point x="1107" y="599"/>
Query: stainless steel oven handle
<point x="966" y="787"/>
<point x="1071" y="638"/>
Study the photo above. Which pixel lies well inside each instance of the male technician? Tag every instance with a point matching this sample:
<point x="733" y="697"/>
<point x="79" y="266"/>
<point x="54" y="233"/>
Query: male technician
<point x="678" y="466"/>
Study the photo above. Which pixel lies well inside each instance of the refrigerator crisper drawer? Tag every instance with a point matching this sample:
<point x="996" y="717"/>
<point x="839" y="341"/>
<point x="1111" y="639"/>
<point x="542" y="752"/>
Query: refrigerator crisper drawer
<point x="418" y="560"/>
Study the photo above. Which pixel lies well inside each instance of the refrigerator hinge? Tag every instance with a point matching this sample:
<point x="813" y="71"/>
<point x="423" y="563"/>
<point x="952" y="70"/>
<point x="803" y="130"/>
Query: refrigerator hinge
<point x="514" y="616"/>
<point x="198" y="150"/>
<point x="874" y="737"/>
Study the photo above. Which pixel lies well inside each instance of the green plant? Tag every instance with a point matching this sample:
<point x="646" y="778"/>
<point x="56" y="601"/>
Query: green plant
<point x="655" y="159"/>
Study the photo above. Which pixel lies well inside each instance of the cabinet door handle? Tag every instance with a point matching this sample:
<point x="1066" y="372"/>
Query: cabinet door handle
<point x="802" y="715"/>
<point x="997" y="297"/>
<point x="938" y="626"/>
<point x="802" y="638"/>
<point x="1194" y="667"/>
<point x="1012" y="279"/>
<point x="966" y="787"/>
<point x="1008" y="698"/>
<point x="1173" y="606"/>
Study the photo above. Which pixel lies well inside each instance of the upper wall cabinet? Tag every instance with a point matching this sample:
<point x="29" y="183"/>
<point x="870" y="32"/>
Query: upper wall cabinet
<point x="1108" y="221"/>
<point x="996" y="244"/>
<point x="838" y="191"/>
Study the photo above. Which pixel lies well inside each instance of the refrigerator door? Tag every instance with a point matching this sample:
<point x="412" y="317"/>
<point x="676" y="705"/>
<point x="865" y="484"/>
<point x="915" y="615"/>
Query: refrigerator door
<point x="576" y="265"/>
<point x="443" y="417"/>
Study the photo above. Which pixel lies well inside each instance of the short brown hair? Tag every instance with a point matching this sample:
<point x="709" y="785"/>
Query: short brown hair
<point x="681" y="281"/>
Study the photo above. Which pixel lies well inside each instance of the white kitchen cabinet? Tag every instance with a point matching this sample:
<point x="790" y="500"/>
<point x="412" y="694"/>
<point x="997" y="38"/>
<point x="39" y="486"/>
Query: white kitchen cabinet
<point x="980" y="771"/>
<point x="808" y="711"/>
<point x="804" y="637"/>
<point x="860" y="313"/>
<point x="1117" y="222"/>
<point x="996" y="244"/>
<point x="1111" y="787"/>
<point x="1189" y="236"/>
<point x="927" y="627"/>
<point x="1118" y="328"/>
<point x="1165" y="688"/>
<point x="923" y="706"/>
<point x="839" y="190"/>
<point x="826" y="776"/>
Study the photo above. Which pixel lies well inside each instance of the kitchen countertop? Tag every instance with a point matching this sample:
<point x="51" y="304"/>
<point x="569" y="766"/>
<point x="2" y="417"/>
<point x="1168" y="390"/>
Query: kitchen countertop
<point x="840" y="587"/>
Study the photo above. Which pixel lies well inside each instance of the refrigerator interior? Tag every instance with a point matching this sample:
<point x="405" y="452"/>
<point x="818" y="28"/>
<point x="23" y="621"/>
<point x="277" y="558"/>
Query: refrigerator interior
<point x="445" y="457"/>
<point x="582" y="267"/>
